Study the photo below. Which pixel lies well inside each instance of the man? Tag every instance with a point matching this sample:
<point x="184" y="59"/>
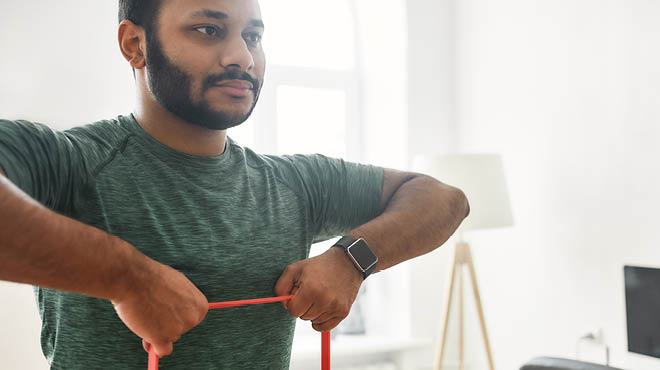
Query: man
<point x="130" y="226"/>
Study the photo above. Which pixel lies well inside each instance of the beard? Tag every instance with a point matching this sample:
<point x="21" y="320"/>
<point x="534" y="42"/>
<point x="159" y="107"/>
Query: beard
<point x="172" y="88"/>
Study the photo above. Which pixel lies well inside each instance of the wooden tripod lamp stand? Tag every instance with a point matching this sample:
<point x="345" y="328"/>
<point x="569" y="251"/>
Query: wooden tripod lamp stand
<point x="481" y="177"/>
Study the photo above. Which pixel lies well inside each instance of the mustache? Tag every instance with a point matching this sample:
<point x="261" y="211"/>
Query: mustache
<point x="231" y="75"/>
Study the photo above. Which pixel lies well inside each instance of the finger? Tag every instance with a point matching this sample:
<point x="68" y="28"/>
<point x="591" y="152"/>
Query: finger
<point x="312" y="313"/>
<point x="163" y="349"/>
<point x="286" y="283"/>
<point x="328" y="325"/>
<point x="299" y="304"/>
<point x="324" y="317"/>
<point x="293" y="293"/>
<point x="146" y="345"/>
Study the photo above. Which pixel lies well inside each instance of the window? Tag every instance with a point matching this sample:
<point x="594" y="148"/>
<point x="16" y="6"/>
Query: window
<point x="311" y="81"/>
<point x="319" y="96"/>
<point x="309" y="101"/>
<point x="322" y="31"/>
<point x="304" y="112"/>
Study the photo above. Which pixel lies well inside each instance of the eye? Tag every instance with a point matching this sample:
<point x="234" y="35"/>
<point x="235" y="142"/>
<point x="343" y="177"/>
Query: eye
<point x="208" y="30"/>
<point x="252" y="37"/>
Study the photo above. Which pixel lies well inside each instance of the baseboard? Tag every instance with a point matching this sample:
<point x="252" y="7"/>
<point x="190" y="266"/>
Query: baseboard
<point x="449" y="365"/>
<point x="377" y="366"/>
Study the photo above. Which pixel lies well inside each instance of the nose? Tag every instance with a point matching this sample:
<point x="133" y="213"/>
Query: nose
<point x="237" y="55"/>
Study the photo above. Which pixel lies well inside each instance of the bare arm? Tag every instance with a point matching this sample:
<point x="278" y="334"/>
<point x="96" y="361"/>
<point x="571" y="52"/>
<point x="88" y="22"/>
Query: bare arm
<point x="420" y="214"/>
<point x="43" y="248"/>
<point x="40" y="247"/>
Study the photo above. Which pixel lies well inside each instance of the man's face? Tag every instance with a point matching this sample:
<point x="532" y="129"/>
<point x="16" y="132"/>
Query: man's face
<point x="205" y="62"/>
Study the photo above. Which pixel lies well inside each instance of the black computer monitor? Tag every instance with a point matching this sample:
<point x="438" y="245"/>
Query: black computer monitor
<point x="643" y="309"/>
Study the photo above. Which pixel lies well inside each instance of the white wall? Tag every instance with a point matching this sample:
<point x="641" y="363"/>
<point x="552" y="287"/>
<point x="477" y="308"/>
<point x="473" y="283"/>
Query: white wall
<point x="566" y="90"/>
<point x="43" y="44"/>
<point x="431" y="104"/>
<point x="569" y="92"/>
<point x="431" y="129"/>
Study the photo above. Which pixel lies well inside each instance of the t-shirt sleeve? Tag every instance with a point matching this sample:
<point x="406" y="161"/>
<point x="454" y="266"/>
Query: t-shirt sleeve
<point x="339" y="195"/>
<point x="42" y="162"/>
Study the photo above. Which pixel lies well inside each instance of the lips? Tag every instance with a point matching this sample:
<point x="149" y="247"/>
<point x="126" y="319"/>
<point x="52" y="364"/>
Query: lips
<point x="237" y="84"/>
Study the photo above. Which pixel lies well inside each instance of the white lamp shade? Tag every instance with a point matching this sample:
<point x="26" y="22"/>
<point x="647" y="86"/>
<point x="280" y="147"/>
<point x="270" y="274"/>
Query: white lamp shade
<point x="481" y="177"/>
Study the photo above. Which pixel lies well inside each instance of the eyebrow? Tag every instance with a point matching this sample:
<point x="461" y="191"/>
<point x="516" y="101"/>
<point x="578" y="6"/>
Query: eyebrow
<point x="208" y="13"/>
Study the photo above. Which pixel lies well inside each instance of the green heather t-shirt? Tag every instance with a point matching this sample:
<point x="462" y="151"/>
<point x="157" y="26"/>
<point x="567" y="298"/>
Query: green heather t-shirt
<point x="230" y="223"/>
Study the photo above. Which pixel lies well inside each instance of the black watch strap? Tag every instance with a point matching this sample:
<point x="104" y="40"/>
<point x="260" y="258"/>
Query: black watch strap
<point x="365" y="261"/>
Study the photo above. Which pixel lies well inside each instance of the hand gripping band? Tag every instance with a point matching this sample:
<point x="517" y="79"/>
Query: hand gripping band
<point x="325" y="336"/>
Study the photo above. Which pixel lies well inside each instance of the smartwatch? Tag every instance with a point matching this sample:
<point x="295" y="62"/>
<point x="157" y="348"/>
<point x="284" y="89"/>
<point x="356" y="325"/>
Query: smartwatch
<point x="359" y="253"/>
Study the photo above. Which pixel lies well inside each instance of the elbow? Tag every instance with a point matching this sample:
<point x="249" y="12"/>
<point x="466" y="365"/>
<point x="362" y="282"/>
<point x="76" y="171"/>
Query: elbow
<point x="455" y="199"/>
<point x="463" y="205"/>
<point x="459" y="202"/>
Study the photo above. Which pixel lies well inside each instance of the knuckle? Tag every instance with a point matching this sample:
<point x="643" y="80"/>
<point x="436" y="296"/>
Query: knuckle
<point x="183" y="327"/>
<point x="201" y="313"/>
<point x="191" y="323"/>
<point x="163" y="348"/>
<point x="293" y="311"/>
<point x="300" y="268"/>
<point x="344" y="314"/>
<point x="346" y="308"/>
<point x="187" y="325"/>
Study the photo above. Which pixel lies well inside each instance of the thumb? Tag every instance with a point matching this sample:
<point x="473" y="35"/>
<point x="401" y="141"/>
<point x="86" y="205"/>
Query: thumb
<point x="162" y="349"/>
<point x="286" y="283"/>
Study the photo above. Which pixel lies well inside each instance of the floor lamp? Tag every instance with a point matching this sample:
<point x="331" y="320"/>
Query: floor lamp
<point x="481" y="177"/>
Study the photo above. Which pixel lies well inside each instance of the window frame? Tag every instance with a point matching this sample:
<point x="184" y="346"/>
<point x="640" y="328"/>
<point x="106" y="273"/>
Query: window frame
<point x="277" y="75"/>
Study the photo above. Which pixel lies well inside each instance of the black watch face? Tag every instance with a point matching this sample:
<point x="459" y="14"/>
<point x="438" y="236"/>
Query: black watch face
<point x="362" y="254"/>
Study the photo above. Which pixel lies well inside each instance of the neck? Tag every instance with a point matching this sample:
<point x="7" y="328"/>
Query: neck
<point x="176" y="133"/>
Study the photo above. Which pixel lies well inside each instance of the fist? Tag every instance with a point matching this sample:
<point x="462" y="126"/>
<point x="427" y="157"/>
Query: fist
<point x="324" y="288"/>
<point x="163" y="306"/>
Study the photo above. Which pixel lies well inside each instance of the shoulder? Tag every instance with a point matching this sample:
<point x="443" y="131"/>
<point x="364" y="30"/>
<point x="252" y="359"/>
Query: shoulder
<point x="89" y="144"/>
<point x="101" y="133"/>
<point x="298" y="169"/>
<point x="25" y="130"/>
<point x="104" y="134"/>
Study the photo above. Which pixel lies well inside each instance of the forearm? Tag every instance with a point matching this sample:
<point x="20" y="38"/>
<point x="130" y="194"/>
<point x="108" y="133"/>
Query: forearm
<point x="43" y="248"/>
<point x="421" y="215"/>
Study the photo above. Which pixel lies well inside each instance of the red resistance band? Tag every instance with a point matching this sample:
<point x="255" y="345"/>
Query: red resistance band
<point x="325" y="336"/>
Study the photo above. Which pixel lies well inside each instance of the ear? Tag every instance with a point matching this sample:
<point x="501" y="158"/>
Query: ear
<point x="132" y="43"/>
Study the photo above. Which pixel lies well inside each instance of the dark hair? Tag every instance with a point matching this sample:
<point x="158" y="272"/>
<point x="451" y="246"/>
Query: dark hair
<point x="143" y="13"/>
